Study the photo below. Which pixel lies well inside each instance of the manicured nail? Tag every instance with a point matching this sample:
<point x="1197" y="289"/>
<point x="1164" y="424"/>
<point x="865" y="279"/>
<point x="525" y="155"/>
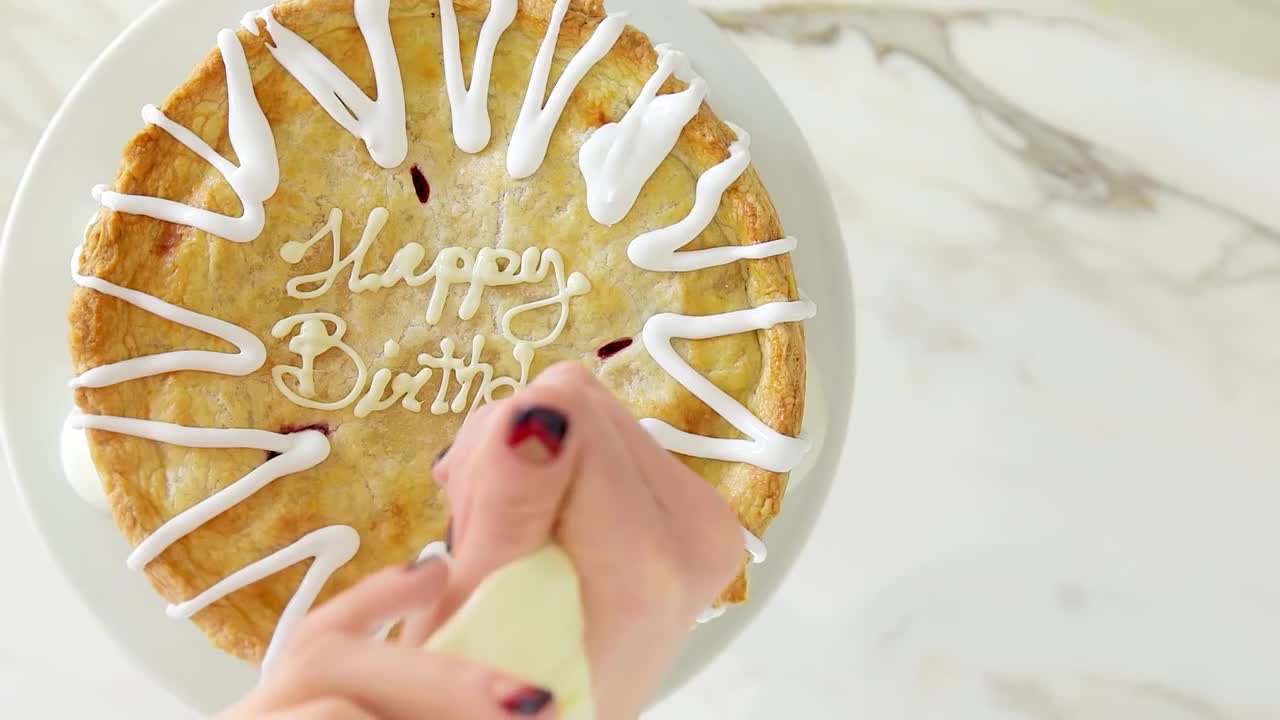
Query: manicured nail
<point x="440" y="457"/>
<point x="537" y="434"/>
<point x="526" y="702"/>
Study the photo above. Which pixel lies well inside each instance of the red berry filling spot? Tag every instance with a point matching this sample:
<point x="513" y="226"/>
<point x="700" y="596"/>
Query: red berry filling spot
<point x="420" y="185"/>
<point x="614" y="348"/>
<point x="294" y="429"/>
<point x="318" y="427"/>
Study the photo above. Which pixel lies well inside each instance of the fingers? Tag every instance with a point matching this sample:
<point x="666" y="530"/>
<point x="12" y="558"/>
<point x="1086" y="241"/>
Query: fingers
<point x="508" y="474"/>
<point x="472" y="430"/>
<point x="386" y="596"/>
<point x="391" y="682"/>
<point x="658" y="466"/>
<point x="515" y="473"/>
<point x="699" y="518"/>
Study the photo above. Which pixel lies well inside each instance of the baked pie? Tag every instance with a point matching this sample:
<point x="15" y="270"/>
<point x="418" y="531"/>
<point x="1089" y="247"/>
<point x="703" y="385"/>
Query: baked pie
<point x="358" y="221"/>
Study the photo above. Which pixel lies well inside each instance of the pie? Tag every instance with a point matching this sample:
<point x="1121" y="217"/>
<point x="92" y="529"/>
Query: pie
<point x="357" y="221"/>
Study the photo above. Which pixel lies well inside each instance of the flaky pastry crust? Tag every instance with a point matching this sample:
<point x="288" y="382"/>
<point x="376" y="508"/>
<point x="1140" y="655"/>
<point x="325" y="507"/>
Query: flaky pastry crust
<point x="378" y="477"/>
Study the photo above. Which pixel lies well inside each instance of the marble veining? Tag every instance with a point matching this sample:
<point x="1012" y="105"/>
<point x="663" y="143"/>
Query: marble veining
<point x="1060" y="487"/>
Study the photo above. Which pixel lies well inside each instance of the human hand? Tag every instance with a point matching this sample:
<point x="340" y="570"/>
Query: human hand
<point x="337" y="668"/>
<point x="652" y="542"/>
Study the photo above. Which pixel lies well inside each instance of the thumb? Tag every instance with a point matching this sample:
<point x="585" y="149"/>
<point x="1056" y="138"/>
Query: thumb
<point x="508" y="483"/>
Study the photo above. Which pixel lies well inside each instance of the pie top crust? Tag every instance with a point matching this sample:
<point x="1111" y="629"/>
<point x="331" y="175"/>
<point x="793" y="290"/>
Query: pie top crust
<point x="377" y="478"/>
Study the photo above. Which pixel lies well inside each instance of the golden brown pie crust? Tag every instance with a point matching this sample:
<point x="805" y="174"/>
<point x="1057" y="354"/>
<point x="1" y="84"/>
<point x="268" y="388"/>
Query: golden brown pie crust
<point x="378" y="477"/>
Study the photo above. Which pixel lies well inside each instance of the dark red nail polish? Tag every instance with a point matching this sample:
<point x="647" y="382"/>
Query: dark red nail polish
<point x="526" y="702"/>
<point x="549" y="427"/>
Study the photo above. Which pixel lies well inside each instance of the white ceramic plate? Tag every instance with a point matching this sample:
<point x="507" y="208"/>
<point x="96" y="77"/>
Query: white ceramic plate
<point x="82" y="147"/>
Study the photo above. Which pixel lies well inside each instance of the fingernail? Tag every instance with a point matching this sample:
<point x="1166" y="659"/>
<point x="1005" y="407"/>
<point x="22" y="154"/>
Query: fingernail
<point x="538" y="433"/>
<point x="443" y="452"/>
<point x="526" y="702"/>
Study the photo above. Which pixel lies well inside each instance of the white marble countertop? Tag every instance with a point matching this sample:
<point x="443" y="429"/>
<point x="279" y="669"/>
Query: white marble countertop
<point x="1063" y="473"/>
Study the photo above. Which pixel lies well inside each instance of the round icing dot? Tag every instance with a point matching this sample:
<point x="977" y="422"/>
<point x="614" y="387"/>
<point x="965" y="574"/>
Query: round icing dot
<point x="77" y="464"/>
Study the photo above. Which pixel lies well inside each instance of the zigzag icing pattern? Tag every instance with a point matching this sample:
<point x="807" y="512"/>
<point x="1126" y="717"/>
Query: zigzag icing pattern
<point x="379" y="123"/>
<point x="765" y="447"/>
<point x="532" y="133"/>
<point x="613" y="181"/>
<point x="657" y="250"/>
<point x="254" y="181"/>
<point x="252" y="353"/>
<point x="470" y="106"/>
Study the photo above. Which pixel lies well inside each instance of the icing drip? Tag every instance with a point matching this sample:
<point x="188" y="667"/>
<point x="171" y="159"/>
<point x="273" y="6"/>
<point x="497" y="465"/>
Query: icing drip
<point x="470" y="106"/>
<point x="532" y="133"/>
<point x="77" y="464"/>
<point x="331" y="547"/>
<point x="765" y="447"/>
<point x="759" y="553"/>
<point x="381" y="123"/>
<point x="296" y="453"/>
<point x="755" y="547"/>
<point x="253" y="181"/>
<point x="619" y="158"/>
<point x="656" y="250"/>
<point x="251" y="356"/>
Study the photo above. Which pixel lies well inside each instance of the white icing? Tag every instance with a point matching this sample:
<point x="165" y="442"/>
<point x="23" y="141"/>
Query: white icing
<point x="657" y="250"/>
<point x="379" y="123"/>
<point x="433" y="550"/>
<point x="253" y="181"/>
<point x="470" y="106"/>
<point x="759" y="553"/>
<point x="815" y="425"/>
<point x="249" y="21"/>
<point x="619" y="158"/>
<point x="331" y="547"/>
<point x="406" y="388"/>
<point x="616" y="163"/>
<point x="252" y="353"/>
<point x="764" y="447"/>
<point x="313" y="340"/>
<point x="77" y="464"/>
<point x="297" y="452"/>
<point x="755" y="547"/>
<point x="386" y="388"/>
<point x="477" y="269"/>
<point x="532" y="133"/>
<point x="710" y="614"/>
